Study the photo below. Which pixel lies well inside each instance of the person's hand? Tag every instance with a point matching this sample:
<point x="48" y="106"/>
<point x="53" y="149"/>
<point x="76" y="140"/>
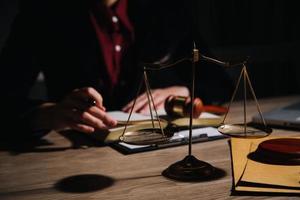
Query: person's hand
<point x="81" y="110"/>
<point x="159" y="97"/>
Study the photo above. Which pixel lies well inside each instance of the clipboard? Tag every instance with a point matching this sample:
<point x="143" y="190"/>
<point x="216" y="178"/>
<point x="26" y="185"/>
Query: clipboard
<point x="180" y="138"/>
<point x="200" y="134"/>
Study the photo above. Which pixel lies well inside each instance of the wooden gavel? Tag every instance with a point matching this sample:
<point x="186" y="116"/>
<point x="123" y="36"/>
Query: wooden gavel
<point x="179" y="106"/>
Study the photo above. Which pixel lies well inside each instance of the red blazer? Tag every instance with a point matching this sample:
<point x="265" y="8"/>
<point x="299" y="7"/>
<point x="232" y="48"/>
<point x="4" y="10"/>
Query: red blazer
<point x="57" y="38"/>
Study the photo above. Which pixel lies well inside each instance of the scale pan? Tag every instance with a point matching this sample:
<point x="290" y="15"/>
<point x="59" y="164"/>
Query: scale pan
<point x="238" y="130"/>
<point x="149" y="136"/>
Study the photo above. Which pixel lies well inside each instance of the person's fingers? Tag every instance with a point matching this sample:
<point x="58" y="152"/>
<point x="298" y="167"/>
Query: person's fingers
<point x="82" y="128"/>
<point x="159" y="97"/>
<point x="88" y="95"/>
<point x="71" y="103"/>
<point x="140" y="101"/>
<point x="102" y="115"/>
<point x="147" y="111"/>
<point x="69" y="118"/>
<point x="127" y="107"/>
<point x="161" y="105"/>
<point x="158" y="103"/>
<point x="87" y="119"/>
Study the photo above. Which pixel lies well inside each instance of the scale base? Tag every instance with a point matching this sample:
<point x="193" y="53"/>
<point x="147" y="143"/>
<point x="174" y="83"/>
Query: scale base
<point x="190" y="169"/>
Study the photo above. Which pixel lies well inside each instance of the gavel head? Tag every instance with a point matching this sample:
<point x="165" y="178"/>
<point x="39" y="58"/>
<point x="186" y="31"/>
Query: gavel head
<point x="180" y="106"/>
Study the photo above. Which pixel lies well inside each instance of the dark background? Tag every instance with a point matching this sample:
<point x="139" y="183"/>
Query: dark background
<point x="8" y="10"/>
<point x="266" y="31"/>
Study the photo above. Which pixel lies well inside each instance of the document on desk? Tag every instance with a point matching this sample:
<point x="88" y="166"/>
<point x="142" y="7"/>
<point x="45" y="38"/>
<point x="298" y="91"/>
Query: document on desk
<point x="114" y="134"/>
<point x="122" y="116"/>
<point x="255" y="176"/>
<point x="179" y="138"/>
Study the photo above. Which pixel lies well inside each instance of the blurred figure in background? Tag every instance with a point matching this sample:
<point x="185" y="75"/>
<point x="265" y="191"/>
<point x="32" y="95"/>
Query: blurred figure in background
<point x="91" y="51"/>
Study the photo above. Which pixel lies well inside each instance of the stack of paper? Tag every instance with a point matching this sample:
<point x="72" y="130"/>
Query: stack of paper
<point x="115" y="133"/>
<point x="200" y="134"/>
<point x="254" y="176"/>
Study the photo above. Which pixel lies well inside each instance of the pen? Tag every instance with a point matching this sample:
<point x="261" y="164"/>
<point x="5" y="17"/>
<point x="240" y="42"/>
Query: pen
<point x="92" y="102"/>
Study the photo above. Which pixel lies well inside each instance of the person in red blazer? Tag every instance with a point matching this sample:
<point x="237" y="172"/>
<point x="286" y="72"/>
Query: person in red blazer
<point x="92" y="51"/>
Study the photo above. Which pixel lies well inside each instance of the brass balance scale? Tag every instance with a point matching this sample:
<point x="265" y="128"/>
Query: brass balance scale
<point x="190" y="168"/>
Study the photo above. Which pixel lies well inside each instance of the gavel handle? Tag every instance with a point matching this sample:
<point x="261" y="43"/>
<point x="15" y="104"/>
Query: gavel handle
<point x="214" y="109"/>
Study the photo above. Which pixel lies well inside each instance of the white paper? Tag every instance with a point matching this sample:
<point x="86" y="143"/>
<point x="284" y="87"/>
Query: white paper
<point x="208" y="131"/>
<point x="122" y="116"/>
<point x="178" y="136"/>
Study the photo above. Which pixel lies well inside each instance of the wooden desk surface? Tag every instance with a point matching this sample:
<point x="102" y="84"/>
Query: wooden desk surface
<point x="56" y="170"/>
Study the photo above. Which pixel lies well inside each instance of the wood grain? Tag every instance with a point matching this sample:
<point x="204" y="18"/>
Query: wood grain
<point x="38" y="173"/>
